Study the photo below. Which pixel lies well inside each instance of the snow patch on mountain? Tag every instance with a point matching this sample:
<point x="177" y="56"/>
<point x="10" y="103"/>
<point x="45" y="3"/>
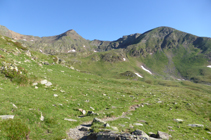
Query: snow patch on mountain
<point x="146" y="69"/>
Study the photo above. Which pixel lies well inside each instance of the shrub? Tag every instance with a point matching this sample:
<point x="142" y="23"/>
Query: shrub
<point x="14" y="129"/>
<point x="19" y="76"/>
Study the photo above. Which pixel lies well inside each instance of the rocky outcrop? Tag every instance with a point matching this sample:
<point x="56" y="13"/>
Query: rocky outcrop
<point x="136" y="135"/>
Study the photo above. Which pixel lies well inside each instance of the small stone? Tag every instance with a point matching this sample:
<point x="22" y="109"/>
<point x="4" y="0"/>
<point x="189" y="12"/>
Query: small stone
<point x="46" y="63"/>
<point x="196" y="125"/>
<point x="55" y="95"/>
<point x="130" y="125"/>
<point x="122" y="125"/>
<point x="140" y="133"/>
<point x="14" y="106"/>
<point x="178" y="120"/>
<point x="36" y="87"/>
<point x="71" y="120"/>
<point x="44" y="82"/>
<point x="41" y="117"/>
<point x="84" y="129"/>
<point x="82" y="111"/>
<point x="96" y="120"/>
<point x="4" y="117"/>
<point x="48" y="84"/>
<point x="138" y="124"/>
<point x="34" y="84"/>
<point x="62" y="91"/>
<point x="114" y="128"/>
<point x="86" y="101"/>
<point x="106" y="125"/>
<point x="92" y="108"/>
<point x="162" y="135"/>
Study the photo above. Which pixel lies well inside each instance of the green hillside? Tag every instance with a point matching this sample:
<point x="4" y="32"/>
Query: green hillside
<point x="107" y="83"/>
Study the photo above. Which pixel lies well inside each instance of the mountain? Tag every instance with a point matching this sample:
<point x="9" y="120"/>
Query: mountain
<point x="167" y="52"/>
<point x="124" y="88"/>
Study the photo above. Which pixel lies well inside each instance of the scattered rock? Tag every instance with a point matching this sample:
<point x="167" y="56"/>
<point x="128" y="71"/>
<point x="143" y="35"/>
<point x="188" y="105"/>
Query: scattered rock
<point x="96" y="120"/>
<point x="122" y="125"/>
<point x="4" y="117"/>
<point x="41" y="117"/>
<point x="106" y="125"/>
<point x="114" y="128"/>
<point x="138" y="124"/>
<point x="48" y="84"/>
<point x="14" y="105"/>
<point x="91" y="113"/>
<point x="162" y="135"/>
<point x="46" y="63"/>
<point x="28" y="53"/>
<point x="196" y="125"/>
<point x="109" y="135"/>
<point x="84" y="129"/>
<point x="92" y="108"/>
<point x="82" y="111"/>
<point x="55" y="95"/>
<point x="140" y="133"/>
<point x="71" y="120"/>
<point x="34" y="84"/>
<point x="178" y="120"/>
<point x="36" y="87"/>
<point x="43" y="82"/>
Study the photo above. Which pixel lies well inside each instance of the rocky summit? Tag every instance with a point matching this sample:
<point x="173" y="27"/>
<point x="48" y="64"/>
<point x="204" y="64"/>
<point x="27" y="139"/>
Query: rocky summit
<point x="148" y="86"/>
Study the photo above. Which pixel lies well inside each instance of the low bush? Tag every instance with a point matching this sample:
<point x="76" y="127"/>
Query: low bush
<point x="14" y="129"/>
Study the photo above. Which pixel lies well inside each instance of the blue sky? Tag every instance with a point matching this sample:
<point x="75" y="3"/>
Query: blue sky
<point x="105" y="19"/>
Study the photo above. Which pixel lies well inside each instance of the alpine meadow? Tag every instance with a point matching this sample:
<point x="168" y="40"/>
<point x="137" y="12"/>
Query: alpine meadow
<point x="148" y="86"/>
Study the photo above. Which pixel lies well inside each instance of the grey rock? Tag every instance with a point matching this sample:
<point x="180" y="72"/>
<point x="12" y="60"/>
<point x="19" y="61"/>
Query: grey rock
<point x="46" y="63"/>
<point x="108" y="135"/>
<point x="140" y="133"/>
<point x="106" y="125"/>
<point x="71" y="120"/>
<point x="4" y="117"/>
<point x="196" y="125"/>
<point x="84" y="129"/>
<point x="44" y="82"/>
<point x="138" y="124"/>
<point x="162" y="135"/>
<point x="96" y="120"/>
<point x="178" y="120"/>
<point x="48" y="84"/>
<point x="91" y="113"/>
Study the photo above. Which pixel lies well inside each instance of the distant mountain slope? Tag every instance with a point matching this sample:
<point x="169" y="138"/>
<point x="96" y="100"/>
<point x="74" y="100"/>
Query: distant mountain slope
<point x="165" y="51"/>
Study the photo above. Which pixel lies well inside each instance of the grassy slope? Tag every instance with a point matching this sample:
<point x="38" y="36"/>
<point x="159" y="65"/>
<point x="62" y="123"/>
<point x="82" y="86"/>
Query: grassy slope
<point x="80" y="87"/>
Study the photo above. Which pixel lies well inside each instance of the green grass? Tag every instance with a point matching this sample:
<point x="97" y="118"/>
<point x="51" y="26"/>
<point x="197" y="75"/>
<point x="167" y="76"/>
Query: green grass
<point x="98" y="85"/>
